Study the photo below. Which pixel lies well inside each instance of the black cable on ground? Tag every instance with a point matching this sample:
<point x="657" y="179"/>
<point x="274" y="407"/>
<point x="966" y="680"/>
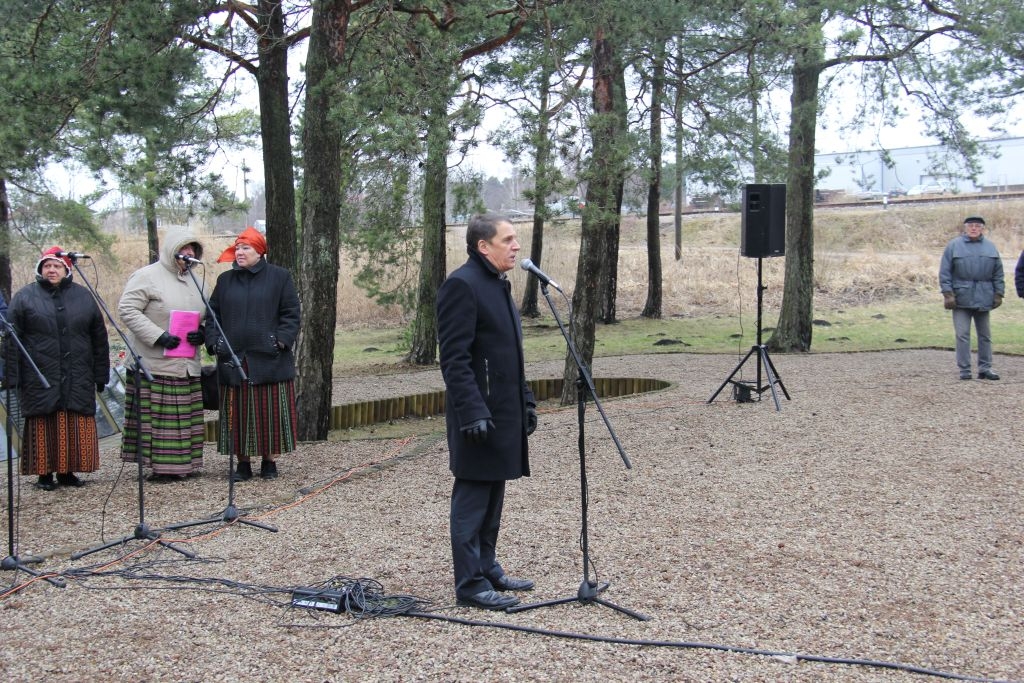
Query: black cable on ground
<point x="785" y="656"/>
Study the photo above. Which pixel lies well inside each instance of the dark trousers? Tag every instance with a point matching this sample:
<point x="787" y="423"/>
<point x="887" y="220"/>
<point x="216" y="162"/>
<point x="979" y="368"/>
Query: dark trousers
<point x="474" y="522"/>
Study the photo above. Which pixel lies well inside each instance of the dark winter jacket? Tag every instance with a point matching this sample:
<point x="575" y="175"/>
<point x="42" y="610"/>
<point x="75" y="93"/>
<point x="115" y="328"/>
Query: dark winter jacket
<point x="257" y="307"/>
<point x="973" y="271"/>
<point x="481" y="347"/>
<point x="62" y="329"/>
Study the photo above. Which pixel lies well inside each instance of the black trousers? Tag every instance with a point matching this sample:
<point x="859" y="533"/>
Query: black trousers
<point x="474" y="523"/>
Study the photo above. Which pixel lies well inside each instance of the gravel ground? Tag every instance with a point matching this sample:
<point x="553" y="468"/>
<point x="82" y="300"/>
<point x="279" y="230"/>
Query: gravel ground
<point x="876" y="517"/>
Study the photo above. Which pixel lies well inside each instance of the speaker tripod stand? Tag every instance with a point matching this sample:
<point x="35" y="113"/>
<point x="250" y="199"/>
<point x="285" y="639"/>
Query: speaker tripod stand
<point x="760" y="351"/>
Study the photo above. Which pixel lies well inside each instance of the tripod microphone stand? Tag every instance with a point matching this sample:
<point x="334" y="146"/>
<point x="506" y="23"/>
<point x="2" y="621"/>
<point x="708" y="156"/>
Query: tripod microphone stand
<point x="230" y="513"/>
<point x="763" y="360"/>
<point x="142" y="531"/>
<point x="589" y="590"/>
<point x="14" y="562"/>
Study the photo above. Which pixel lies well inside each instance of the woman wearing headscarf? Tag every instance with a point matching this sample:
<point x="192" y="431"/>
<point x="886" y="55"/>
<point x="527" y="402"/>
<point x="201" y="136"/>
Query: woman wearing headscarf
<point x="258" y="309"/>
<point x="61" y="328"/>
<point x="164" y="313"/>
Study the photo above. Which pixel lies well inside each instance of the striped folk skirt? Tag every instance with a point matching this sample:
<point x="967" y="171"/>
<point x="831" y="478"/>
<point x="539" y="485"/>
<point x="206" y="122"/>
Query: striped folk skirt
<point x="60" y="442"/>
<point x="170" y="413"/>
<point x="268" y="423"/>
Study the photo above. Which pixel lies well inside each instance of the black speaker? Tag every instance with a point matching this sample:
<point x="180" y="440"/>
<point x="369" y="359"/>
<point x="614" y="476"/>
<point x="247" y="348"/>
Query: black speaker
<point x="763" y="226"/>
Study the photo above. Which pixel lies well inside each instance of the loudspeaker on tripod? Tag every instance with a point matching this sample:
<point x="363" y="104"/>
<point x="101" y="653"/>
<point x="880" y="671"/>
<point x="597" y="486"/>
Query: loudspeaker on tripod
<point x="763" y="223"/>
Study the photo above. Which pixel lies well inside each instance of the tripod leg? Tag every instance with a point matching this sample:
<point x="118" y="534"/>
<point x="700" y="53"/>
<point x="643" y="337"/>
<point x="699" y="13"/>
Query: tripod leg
<point x="771" y="377"/>
<point x="770" y="366"/>
<point x="732" y="374"/>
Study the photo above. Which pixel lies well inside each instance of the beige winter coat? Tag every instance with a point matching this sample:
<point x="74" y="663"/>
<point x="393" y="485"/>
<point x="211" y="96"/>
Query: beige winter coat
<point x="150" y="295"/>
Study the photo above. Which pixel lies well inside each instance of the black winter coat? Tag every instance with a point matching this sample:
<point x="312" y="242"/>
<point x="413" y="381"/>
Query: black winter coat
<point x="481" y="346"/>
<point x="257" y="307"/>
<point x="62" y="329"/>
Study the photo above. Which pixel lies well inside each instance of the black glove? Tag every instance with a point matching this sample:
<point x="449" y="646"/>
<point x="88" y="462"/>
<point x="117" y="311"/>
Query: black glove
<point x="196" y="337"/>
<point x="476" y="432"/>
<point x="100" y="386"/>
<point x="531" y="420"/>
<point x="997" y="300"/>
<point x="168" y="341"/>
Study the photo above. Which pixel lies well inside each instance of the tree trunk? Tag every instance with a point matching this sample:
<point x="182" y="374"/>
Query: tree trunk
<point x="598" y="212"/>
<point x="321" y="194"/>
<point x="542" y="187"/>
<point x="275" y="132"/>
<point x="793" y="332"/>
<point x="617" y="169"/>
<point x="5" y="241"/>
<point x="432" y="265"/>
<point x="652" y="307"/>
<point x="152" y="238"/>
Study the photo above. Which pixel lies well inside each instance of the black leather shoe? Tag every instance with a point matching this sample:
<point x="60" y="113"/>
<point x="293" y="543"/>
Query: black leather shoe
<point x="69" y="479"/>
<point x="489" y="600"/>
<point x="965" y="376"/>
<point x="507" y="583"/>
<point x="243" y="472"/>
<point x="46" y="482"/>
<point x="988" y="374"/>
<point x="268" y="469"/>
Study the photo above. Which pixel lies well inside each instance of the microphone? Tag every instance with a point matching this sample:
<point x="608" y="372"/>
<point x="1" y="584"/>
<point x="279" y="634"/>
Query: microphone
<point x="73" y="255"/>
<point x="187" y="259"/>
<point x="527" y="265"/>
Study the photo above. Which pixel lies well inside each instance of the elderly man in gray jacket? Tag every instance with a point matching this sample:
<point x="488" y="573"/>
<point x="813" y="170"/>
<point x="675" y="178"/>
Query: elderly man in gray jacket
<point x="971" y="280"/>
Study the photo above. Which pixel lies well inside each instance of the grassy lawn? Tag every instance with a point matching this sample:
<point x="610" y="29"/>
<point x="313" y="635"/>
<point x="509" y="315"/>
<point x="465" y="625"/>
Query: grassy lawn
<point x="885" y="326"/>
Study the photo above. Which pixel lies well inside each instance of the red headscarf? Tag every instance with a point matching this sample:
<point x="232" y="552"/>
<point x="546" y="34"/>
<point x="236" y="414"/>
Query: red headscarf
<point x="250" y="236"/>
<point x="51" y="254"/>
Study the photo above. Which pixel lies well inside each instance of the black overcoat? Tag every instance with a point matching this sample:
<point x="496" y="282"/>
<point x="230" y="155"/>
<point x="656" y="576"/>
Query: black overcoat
<point x="63" y="331"/>
<point x="256" y="307"/>
<point x="481" y="351"/>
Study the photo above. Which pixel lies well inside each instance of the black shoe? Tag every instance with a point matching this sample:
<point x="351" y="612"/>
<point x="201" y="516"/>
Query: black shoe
<point x="69" y="479"/>
<point x="489" y="600"/>
<point x="988" y="374"/>
<point x="243" y="472"/>
<point x="46" y="482"/>
<point x="268" y="470"/>
<point x="965" y="376"/>
<point x="507" y="583"/>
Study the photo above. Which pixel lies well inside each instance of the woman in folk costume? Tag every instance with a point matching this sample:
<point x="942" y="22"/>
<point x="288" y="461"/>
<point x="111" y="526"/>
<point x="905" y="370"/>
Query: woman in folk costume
<point x="63" y="332"/>
<point x="164" y="313"/>
<point x="258" y="309"/>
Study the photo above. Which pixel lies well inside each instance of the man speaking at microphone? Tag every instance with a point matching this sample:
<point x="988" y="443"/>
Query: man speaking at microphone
<point x="489" y="408"/>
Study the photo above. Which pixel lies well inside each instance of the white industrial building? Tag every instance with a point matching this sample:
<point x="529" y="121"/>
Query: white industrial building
<point x="899" y="170"/>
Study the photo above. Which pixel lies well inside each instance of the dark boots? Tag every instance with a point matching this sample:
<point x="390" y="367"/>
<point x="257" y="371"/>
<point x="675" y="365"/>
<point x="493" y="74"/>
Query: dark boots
<point x="46" y="482"/>
<point x="268" y="469"/>
<point x="243" y="472"/>
<point x="69" y="479"/>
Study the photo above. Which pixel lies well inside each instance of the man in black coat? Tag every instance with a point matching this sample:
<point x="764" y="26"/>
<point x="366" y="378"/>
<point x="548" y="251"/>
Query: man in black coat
<point x="489" y="408"/>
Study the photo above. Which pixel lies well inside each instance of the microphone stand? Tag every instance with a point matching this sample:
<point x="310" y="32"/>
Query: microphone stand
<point x="230" y="513"/>
<point x="589" y="589"/>
<point x="142" y="531"/>
<point x="15" y="562"/>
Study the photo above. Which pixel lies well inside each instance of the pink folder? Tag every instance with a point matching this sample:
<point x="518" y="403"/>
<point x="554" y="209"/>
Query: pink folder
<point x="182" y="322"/>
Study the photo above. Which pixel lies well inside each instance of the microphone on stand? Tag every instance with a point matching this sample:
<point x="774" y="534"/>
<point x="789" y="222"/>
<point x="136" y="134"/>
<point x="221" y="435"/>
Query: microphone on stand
<point x="527" y="265"/>
<point x="73" y="255"/>
<point x="187" y="259"/>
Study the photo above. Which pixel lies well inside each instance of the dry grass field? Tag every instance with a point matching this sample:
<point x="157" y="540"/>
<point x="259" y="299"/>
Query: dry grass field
<point x="862" y="254"/>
